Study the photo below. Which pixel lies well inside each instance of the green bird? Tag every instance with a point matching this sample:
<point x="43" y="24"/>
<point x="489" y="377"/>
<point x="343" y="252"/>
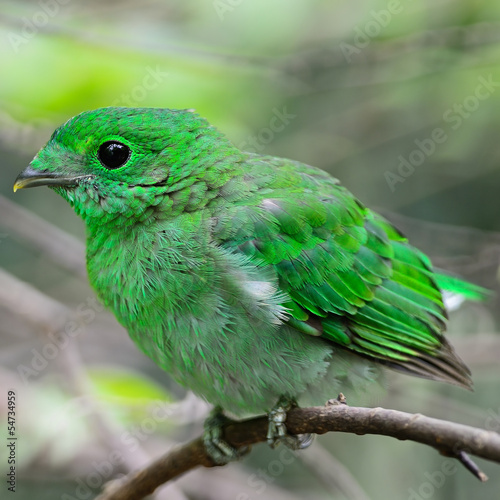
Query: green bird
<point x="257" y="282"/>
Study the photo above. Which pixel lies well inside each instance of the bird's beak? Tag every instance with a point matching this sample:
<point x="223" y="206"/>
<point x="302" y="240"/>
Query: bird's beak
<point x="30" y="177"/>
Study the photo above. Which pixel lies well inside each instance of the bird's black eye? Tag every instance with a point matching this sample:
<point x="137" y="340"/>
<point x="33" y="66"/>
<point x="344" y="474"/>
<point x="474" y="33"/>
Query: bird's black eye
<point x="113" y="154"/>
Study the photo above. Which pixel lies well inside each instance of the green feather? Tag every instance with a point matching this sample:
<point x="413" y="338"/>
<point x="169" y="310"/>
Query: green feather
<point x="454" y="284"/>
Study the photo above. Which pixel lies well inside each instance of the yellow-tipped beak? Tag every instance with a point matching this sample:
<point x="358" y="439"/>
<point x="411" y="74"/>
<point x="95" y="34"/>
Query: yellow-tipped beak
<point x="32" y="178"/>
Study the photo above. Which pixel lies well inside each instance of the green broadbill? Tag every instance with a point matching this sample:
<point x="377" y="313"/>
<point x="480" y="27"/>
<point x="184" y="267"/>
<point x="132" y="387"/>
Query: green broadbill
<point x="249" y="278"/>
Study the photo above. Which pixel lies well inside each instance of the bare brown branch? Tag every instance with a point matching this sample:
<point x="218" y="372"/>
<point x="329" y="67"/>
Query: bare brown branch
<point x="448" y="438"/>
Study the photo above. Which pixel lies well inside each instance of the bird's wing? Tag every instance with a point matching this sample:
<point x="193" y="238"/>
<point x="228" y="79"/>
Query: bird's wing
<point x="351" y="277"/>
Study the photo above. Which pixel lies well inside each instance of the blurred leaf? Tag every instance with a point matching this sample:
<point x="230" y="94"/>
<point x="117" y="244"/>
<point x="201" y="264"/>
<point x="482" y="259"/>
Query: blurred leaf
<point x="132" y="391"/>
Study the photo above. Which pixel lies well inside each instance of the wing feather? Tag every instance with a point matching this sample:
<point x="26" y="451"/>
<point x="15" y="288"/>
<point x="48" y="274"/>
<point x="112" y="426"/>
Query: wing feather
<point x="351" y="276"/>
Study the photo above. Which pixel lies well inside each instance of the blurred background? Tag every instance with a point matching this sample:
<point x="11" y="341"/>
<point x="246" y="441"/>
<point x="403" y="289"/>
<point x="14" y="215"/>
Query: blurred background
<point x="400" y="100"/>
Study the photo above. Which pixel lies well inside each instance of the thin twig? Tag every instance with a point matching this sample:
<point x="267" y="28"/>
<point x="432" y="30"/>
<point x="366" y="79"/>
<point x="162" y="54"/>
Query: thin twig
<point x="448" y="438"/>
<point x="33" y="306"/>
<point x="470" y="465"/>
<point x="63" y="249"/>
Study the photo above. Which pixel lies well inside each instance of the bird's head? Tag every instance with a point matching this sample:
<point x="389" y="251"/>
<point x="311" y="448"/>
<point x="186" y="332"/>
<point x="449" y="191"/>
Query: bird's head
<point x="113" y="161"/>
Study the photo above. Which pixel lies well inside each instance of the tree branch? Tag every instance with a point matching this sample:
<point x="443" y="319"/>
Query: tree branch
<point x="449" y="438"/>
<point x="60" y="247"/>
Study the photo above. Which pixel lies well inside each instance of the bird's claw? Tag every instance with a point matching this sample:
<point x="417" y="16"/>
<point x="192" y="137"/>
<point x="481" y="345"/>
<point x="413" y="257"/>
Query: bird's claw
<point x="277" y="431"/>
<point x="219" y="450"/>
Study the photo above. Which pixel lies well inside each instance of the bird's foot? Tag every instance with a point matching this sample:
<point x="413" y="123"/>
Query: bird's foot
<point x="277" y="432"/>
<point x="219" y="450"/>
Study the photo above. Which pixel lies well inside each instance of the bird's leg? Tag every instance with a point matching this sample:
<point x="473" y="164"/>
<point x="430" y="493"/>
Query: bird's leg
<point x="277" y="433"/>
<point x="219" y="450"/>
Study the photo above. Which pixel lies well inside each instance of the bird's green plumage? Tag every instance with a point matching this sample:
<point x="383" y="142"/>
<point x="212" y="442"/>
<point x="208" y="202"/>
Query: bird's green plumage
<point x="247" y="277"/>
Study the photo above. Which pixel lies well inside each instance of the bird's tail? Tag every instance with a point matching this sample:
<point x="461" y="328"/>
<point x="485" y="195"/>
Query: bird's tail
<point x="456" y="290"/>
